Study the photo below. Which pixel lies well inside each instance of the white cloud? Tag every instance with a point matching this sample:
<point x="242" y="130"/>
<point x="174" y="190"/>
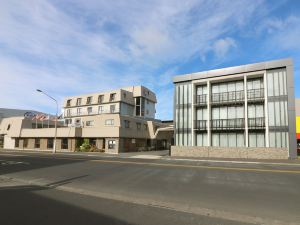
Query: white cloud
<point x="282" y="33"/>
<point x="222" y="46"/>
<point x="71" y="47"/>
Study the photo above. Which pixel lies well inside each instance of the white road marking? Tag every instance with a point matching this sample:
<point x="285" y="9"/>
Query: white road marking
<point x="6" y="163"/>
<point x="145" y="157"/>
<point x="7" y="154"/>
<point x="234" y="162"/>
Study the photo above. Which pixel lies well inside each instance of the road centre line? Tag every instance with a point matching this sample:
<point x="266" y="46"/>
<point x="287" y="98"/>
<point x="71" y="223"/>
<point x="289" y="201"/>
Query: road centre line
<point x="199" y="166"/>
<point x="173" y="165"/>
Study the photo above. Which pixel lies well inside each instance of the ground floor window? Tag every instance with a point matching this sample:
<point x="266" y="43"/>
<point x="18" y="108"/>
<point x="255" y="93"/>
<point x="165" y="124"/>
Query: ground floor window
<point x="64" y="143"/>
<point x="36" y="143"/>
<point x="93" y="141"/>
<point x="256" y="139"/>
<point x="50" y="143"/>
<point x="17" y="143"/>
<point x="111" y="144"/>
<point x="25" y="143"/>
<point x="228" y="139"/>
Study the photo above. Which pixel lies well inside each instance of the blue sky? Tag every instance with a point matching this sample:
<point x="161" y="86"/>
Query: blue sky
<point x="82" y="46"/>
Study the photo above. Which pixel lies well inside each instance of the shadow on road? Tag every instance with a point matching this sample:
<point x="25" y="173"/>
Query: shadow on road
<point x="21" y="205"/>
<point x="13" y="164"/>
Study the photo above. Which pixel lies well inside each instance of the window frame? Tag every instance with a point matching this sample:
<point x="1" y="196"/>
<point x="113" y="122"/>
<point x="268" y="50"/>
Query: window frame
<point x="112" y="97"/>
<point x="89" y="100"/>
<point x="64" y="145"/>
<point x="37" y="143"/>
<point x="78" y="101"/>
<point x="111" y="144"/>
<point x="111" y="123"/>
<point x="100" y="99"/>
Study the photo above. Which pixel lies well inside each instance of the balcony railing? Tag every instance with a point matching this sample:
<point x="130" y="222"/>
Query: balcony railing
<point x="256" y="123"/>
<point x="201" y="99"/>
<point x="224" y="97"/>
<point x="255" y="94"/>
<point x="200" y="124"/>
<point x="92" y="113"/>
<point x="220" y="124"/>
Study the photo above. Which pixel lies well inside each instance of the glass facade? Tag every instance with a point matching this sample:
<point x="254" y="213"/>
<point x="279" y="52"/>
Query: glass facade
<point x="231" y="117"/>
<point x="183" y="114"/>
<point x="277" y="108"/>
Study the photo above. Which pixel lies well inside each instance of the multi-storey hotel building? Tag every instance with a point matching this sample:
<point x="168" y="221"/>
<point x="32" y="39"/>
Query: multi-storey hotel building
<point x="242" y="112"/>
<point x="116" y="121"/>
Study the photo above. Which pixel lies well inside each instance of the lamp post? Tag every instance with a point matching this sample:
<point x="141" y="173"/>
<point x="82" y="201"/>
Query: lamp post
<point x="55" y="133"/>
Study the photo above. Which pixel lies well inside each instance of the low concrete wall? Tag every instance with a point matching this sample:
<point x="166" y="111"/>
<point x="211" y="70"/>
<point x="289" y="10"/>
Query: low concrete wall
<point x="223" y="152"/>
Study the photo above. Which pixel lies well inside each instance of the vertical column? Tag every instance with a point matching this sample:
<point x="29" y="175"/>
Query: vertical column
<point x="292" y="145"/>
<point x="267" y="136"/>
<point x="192" y="112"/>
<point x="208" y="113"/>
<point x="246" y="112"/>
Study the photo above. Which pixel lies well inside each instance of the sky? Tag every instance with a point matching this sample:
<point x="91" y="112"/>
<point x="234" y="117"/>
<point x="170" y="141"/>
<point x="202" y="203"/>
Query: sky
<point x="76" y="47"/>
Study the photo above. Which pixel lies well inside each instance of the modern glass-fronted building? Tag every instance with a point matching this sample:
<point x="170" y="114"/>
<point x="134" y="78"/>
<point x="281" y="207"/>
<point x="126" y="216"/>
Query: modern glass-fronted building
<point x="250" y="106"/>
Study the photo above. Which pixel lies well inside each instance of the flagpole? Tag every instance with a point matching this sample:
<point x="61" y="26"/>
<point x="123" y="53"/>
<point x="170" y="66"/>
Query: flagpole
<point x="55" y="131"/>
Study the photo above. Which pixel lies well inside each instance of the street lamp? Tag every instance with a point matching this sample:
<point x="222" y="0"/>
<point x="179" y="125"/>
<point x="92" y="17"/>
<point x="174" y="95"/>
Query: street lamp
<point x="55" y="134"/>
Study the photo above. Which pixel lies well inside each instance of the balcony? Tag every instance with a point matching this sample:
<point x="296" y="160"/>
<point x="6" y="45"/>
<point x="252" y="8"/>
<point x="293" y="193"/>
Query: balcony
<point x="255" y="94"/>
<point x="90" y="113"/>
<point x="200" y="125"/>
<point x="231" y="124"/>
<point x="256" y="123"/>
<point x="228" y="97"/>
<point x="201" y="100"/>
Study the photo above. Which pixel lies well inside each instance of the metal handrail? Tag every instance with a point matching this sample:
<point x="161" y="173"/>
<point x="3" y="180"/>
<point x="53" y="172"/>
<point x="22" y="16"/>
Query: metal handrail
<point x="237" y="123"/>
<point x="232" y="96"/>
<point x="91" y="113"/>
<point x="201" y="99"/>
<point x="258" y="122"/>
<point x="253" y="94"/>
<point x="200" y="124"/>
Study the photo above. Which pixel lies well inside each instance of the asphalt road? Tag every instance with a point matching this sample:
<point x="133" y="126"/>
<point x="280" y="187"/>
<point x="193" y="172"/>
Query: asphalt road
<point x="74" y="189"/>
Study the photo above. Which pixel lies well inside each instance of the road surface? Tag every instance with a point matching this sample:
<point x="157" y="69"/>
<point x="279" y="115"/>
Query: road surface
<point x="42" y="188"/>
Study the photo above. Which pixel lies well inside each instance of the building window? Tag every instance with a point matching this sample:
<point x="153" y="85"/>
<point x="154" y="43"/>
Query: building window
<point x="124" y="94"/>
<point x="89" y="100"/>
<point x="138" y="126"/>
<point x="8" y="127"/>
<point x="64" y="143"/>
<point x="68" y="112"/>
<point x="112" y="97"/>
<point x="138" y="106"/>
<point x="68" y="102"/>
<point x="111" y="144"/>
<point x="100" y="109"/>
<point x="25" y="143"/>
<point x="78" y="102"/>
<point x="89" y="123"/>
<point x="112" y="108"/>
<point x="17" y="143"/>
<point x="78" y="111"/>
<point x="127" y="123"/>
<point x="78" y="122"/>
<point x="145" y="126"/>
<point x="68" y="121"/>
<point x="109" y="122"/>
<point x="90" y="110"/>
<point x="36" y="143"/>
<point x="100" y="99"/>
<point x="147" y="102"/>
<point x="50" y="143"/>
